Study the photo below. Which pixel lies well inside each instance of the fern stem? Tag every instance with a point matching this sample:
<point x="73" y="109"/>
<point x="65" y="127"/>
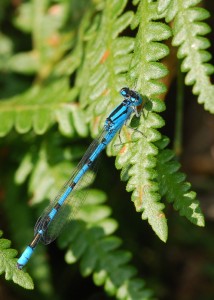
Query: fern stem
<point x="178" y="136"/>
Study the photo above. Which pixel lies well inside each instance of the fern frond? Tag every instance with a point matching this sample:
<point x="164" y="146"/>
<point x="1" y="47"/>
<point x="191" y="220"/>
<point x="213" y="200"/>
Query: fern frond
<point x="91" y="238"/>
<point x="21" y="221"/>
<point x="43" y="105"/>
<point x="49" y="42"/>
<point x="91" y="241"/>
<point x="189" y="29"/>
<point x="163" y="5"/>
<point x="49" y="167"/>
<point x="106" y="60"/>
<point x="174" y="187"/>
<point x="8" y="265"/>
<point x="73" y="60"/>
<point x="138" y="158"/>
<point x="39" y="108"/>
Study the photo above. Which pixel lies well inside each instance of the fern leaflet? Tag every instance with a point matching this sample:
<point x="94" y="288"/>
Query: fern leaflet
<point x="39" y="108"/>
<point x="138" y="159"/>
<point x="8" y="265"/>
<point x="91" y="240"/>
<point x="189" y="29"/>
<point x="174" y="188"/>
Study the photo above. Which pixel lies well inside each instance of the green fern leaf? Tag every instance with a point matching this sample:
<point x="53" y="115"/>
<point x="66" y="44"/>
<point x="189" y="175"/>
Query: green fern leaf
<point x="39" y="108"/>
<point x="189" y="30"/>
<point x="73" y="60"/>
<point x="49" y="46"/>
<point x="174" y="188"/>
<point x="148" y="50"/>
<point x="137" y="158"/>
<point x="26" y="63"/>
<point x="49" y="177"/>
<point x="106" y="59"/>
<point x="8" y="265"/>
<point x="90" y="240"/>
<point x="163" y="5"/>
<point x="24" y="215"/>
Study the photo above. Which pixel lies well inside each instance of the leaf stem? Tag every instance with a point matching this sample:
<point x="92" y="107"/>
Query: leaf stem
<point x="178" y="136"/>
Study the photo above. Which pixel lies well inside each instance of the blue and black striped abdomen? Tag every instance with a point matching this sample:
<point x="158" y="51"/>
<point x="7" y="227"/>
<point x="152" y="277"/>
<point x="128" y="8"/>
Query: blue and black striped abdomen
<point x="65" y="206"/>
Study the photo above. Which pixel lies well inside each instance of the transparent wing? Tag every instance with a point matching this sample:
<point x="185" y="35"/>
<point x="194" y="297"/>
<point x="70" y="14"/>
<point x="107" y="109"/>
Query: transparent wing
<point x="74" y="200"/>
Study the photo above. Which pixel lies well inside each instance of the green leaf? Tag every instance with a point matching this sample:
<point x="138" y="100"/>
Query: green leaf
<point x="5" y="51"/>
<point x="174" y="188"/>
<point x="189" y="29"/>
<point x="89" y="241"/>
<point x="24" y="17"/>
<point x="106" y="60"/>
<point x="39" y="108"/>
<point x="137" y="156"/>
<point x="24" y="169"/>
<point x="163" y="5"/>
<point x="8" y="265"/>
<point x="24" y="63"/>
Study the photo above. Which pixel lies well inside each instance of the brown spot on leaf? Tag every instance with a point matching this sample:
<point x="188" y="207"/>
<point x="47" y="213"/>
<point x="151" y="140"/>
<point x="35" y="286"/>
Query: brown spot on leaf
<point x="105" y="56"/>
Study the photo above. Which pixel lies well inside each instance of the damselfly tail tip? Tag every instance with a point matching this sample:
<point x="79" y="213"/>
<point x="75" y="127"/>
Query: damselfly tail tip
<point x="19" y="266"/>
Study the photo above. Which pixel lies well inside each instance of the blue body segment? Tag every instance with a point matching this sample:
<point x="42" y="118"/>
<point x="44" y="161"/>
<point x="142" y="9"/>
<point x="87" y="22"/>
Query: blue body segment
<point x="47" y="223"/>
<point x="26" y="255"/>
<point x="65" y="195"/>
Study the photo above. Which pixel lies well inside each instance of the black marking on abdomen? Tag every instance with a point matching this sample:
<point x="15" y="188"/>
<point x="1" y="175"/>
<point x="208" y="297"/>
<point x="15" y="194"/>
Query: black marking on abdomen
<point x="72" y="185"/>
<point x="89" y="162"/>
<point x="35" y="240"/>
<point x="103" y="141"/>
<point x="57" y="206"/>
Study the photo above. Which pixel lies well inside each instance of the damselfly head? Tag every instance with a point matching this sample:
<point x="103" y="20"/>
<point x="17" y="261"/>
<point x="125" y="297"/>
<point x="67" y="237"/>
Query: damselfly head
<point x="135" y="97"/>
<point x="125" y="92"/>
